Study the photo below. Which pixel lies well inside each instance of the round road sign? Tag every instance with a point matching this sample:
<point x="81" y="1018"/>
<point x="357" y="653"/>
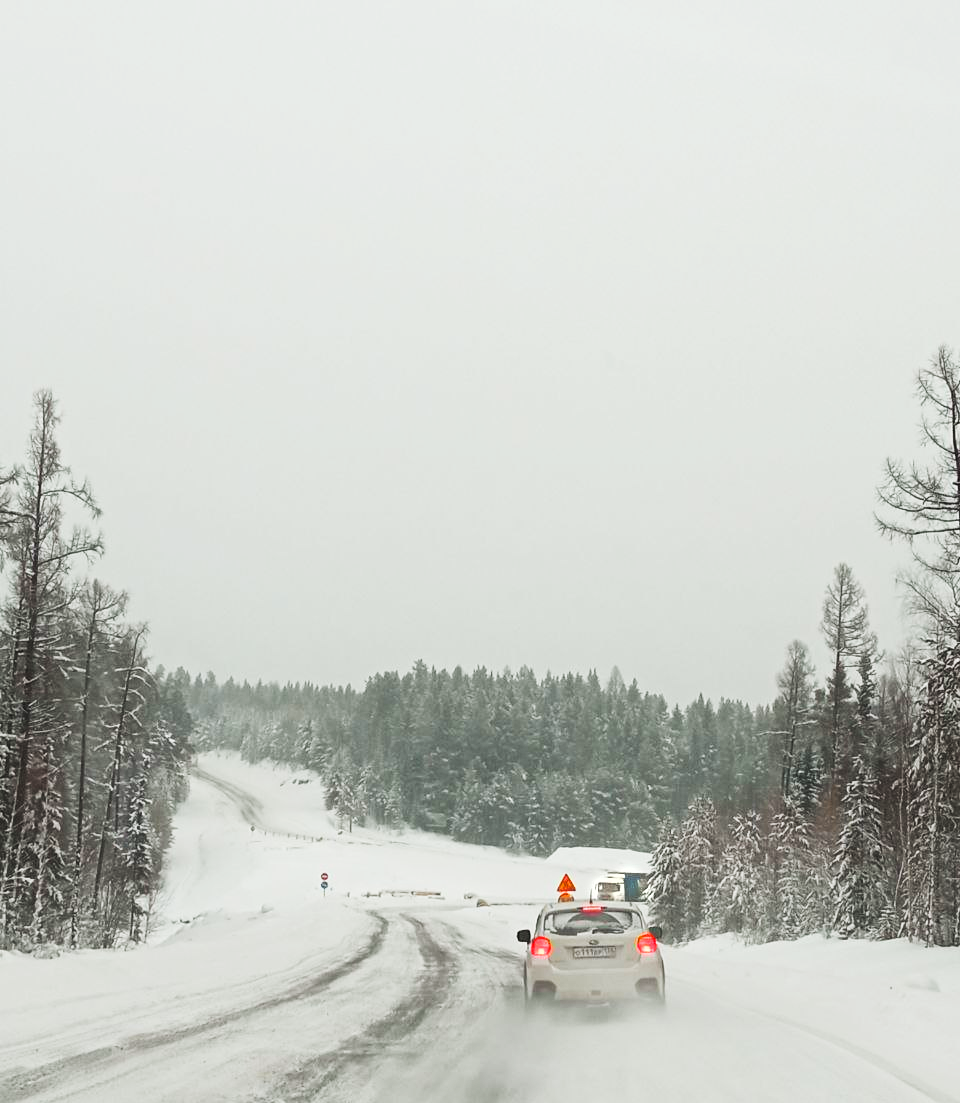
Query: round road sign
<point x="323" y="884"/>
<point x="324" y="876"/>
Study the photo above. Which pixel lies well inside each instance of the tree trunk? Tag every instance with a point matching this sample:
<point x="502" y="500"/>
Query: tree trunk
<point x="81" y="783"/>
<point x="9" y="884"/>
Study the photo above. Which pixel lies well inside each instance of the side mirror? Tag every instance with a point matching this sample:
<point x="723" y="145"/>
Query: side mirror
<point x="523" y="936"/>
<point x="657" y="932"/>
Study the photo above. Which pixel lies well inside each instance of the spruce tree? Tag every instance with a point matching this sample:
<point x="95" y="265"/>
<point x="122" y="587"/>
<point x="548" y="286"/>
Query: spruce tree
<point x="698" y="847"/>
<point x="793" y="707"/>
<point x="858" y="885"/>
<point x="738" y="899"/>
<point x="667" y="887"/>
<point x="136" y="849"/>
<point x="792" y="888"/>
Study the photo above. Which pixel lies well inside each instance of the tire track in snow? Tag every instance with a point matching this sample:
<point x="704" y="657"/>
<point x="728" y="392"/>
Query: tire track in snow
<point x="45" y="1077"/>
<point x="464" y="1055"/>
<point x="251" y="808"/>
<point x="248" y="805"/>
<point x="434" y="982"/>
<point x="451" y="1054"/>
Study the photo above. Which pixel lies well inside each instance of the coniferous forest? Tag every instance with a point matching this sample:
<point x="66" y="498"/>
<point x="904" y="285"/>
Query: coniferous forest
<point x="835" y="808"/>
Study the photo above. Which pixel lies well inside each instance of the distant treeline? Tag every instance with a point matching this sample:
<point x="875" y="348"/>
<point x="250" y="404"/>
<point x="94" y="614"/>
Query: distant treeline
<point x="506" y="759"/>
<point x="92" y="750"/>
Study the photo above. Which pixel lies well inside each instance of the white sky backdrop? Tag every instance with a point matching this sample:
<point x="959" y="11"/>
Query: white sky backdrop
<point x="567" y="334"/>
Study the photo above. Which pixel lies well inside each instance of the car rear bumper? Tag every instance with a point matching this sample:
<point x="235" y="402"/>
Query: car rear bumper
<point x="595" y="985"/>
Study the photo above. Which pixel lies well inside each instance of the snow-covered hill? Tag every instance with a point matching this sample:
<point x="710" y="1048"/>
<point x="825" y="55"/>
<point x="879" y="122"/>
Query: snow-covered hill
<point x="602" y="858"/>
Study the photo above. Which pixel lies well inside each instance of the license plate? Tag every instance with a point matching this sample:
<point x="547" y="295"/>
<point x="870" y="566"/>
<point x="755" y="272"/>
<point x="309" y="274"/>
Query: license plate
<point x="594" y="951"/>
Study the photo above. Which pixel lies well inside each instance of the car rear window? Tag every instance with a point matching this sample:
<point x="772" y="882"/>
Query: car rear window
<point x="608" y="886"/>
<point x="576" y="922"/>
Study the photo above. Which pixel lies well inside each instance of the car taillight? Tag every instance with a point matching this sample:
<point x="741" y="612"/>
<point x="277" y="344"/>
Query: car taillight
<point x="541" y="947"/>
<point x="592" y="908"/>
<point x="646" y="943"/>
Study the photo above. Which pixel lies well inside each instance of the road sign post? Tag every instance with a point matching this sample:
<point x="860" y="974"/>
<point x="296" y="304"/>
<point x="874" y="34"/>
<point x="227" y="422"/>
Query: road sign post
<point x="324" y="883"/>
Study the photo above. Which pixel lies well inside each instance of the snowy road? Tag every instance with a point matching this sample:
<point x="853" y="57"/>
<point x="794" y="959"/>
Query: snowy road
<point x="335" y="1035"/>
<point x="264" y="989"/>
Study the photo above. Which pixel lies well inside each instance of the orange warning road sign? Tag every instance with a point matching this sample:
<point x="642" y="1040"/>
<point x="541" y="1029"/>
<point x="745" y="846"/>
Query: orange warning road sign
<point x="566" y="885"/>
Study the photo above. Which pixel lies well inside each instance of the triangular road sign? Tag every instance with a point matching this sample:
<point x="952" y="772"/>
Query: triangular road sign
<point x="566" y="885"/>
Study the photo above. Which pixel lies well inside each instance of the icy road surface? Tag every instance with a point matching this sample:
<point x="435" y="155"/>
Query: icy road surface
<point x="258" y="987"/>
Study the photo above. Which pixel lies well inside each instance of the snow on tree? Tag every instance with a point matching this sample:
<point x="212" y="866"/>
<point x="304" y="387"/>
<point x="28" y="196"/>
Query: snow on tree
<point x="933" y="914"/>
<point x="865" y="729"/>
<point x="793" y="708"/>
<point x="666" y="886"/>
<point x="99" y="611"/>
<point x="42" y="555"/>
<point x="858" y="885"/>
<point x="393" y="808"/>
<point x="793" y="888"/>
<point x="136" y="849"/>
<point x="808" y="780"/>
<point x="847" y="634"/>
<point x="685" y="869"/>
<point x="61" y="683"/>
<point x="698" y="849"/>
<point x="126" y="710"/>
<point x="49" y="870"/>
<point x="737" y="900"/>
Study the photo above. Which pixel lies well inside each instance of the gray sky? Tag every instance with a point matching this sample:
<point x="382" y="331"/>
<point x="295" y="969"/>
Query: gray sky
<point x="567" y="334"/>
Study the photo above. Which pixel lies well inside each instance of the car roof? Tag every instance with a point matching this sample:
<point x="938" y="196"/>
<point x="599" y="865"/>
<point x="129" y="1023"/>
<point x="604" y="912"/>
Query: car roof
<point x="577" y="905"/>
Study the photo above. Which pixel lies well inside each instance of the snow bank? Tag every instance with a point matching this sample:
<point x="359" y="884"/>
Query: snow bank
<point x="54" y="1008"/>
<point x="601" y="859"/>
<point x="896" y="1002"/>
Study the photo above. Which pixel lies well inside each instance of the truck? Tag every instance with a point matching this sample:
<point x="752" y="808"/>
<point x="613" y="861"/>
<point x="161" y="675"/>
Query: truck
<point x="618" y="884"/>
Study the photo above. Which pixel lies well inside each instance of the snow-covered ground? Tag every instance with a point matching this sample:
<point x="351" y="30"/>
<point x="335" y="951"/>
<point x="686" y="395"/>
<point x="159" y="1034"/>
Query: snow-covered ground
<point x="257" y="985"/>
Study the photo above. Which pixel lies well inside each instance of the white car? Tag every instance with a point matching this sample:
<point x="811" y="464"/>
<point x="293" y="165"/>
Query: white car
<point x="592" y="954"/>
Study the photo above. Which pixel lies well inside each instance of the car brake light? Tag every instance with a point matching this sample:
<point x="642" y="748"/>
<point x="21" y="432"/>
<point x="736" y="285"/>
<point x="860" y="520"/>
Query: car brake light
<point x="646" y="943"/>
<point x="592" y="908"/>
<point x="541" y="947"/>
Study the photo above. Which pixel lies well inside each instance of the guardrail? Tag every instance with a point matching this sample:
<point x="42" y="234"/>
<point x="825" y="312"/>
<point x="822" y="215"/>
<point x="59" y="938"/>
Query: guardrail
<point x="406" y="892"/>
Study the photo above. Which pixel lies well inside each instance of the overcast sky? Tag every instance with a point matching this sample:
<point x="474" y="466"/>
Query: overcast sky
<point x="502" y="332"/>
